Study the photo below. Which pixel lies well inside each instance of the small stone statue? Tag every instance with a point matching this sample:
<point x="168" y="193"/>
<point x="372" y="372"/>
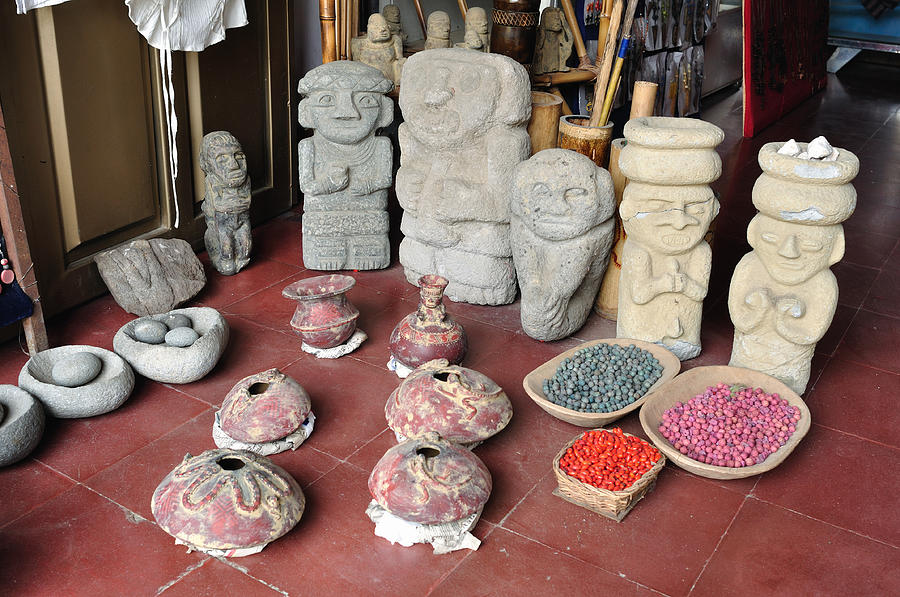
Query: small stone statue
<point x="561" y="232"/>
<point x="465" y="116"/>
<point x="379" y="48"/>
<point x="783" y="295"/>
<point x="554" y="42"/>
<point x="437" y="34"/>
<point x="226" y="203"/>
<point x="345" y="169"/>
<point x="391" y="14"/>
<point x="476" y="37"/>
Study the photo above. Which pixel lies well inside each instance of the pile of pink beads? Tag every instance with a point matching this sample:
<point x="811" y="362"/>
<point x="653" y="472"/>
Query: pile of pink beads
<point x="731" y="426"/>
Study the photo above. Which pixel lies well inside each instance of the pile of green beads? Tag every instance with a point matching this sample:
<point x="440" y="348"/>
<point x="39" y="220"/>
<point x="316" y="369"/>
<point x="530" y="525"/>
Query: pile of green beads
<point x="603" y="378"/>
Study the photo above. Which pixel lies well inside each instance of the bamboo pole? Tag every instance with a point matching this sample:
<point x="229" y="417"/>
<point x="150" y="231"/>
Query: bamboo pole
<point x="543" y="128"/>
<point x="602" y="28"/>
<point x="643" y="99"/>
<point x="326" y="21"/>
<point x="463" y="7"/>
<point x="620" y="60"/>
<point x="421" y="16"/>
<point x="566" y="110"/>
<point x="583" y="60"/>
<point x="606" y="64"/>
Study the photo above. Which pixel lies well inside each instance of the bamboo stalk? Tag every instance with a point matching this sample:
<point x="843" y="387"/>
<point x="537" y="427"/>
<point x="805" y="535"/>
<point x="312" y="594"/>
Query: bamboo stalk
<point x="620" y="60"/>
<point x="602" y="28"/>
<point x="421" y="16"/>
<point x="345" y="47"/>
<point x="643" y="99"/>
<point x="566" y="110"/>
<point x="583" y="60"/>
<point x="606" y="64"/>
<point x="463" y="7"/>
<point x="326" y="21"/>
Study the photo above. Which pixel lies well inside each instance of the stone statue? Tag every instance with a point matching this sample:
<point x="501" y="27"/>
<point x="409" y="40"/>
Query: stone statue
<point x="666" y="210"/>
<point x="226" y="203"/>
<point x="554" y="42"/>
<point x="561" y="231"/>
<point x="477" y="36"/>
<point x="391" y="14"/>
<point x="465" y="116"/>
<point x="783" y="295"/>
<point x="379" y="48"/>
<point x="345" y="169"/>
<point x="437" y="34"/>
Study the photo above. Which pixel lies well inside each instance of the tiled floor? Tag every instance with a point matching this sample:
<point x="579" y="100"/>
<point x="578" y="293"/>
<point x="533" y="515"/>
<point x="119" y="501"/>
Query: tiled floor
<point x="75" y="516"/>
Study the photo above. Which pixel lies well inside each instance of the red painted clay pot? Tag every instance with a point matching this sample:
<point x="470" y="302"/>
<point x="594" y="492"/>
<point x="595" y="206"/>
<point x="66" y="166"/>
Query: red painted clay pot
<point x="428" y="333"/>
<point x="430" y="481"/>
<point x="227" y="500"/>
<point x="460" y="404"/>
<point x="324" y="318"/>
<point x="264" y="407"/>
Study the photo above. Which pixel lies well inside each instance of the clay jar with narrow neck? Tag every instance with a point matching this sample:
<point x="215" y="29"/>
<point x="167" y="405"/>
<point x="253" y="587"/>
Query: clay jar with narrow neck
<point x="428" y="333"/>
<point x="324" y="318"/>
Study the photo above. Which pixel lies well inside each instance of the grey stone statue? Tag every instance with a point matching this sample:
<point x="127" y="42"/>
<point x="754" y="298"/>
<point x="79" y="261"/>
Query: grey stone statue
<point x="226" y="203"/>
<point x="379" y="48"/>
<point x="437" y="31"/>
<point x="391" y="14"/>
<point x="345" y="169"/>
<point x="465" y="114"/>
<point x="561" y="232"/>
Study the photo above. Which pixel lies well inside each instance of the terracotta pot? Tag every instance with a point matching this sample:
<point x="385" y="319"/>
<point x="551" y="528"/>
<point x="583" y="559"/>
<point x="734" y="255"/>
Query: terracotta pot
<point x="430" y="481"/>
<point x="324" y="317"/>
<point x="460" y="404"/>
<point x="227" y="500"/>
<point x="591" y="141"/>
<point x="428" y="333"/>
<point x="264" y="407"/>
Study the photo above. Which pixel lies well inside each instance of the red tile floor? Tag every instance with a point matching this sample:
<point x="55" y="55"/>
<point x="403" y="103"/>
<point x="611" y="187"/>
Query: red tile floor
<point x="75" y="516"/>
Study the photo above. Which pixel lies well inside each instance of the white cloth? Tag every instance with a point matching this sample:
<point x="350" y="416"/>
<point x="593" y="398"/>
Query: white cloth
<point x="444" y="538"/>
<point x="338" y="351"/>
<point x="291" y="442"/>
<point x="191" y="25"/>
<point x="23" y="6"/>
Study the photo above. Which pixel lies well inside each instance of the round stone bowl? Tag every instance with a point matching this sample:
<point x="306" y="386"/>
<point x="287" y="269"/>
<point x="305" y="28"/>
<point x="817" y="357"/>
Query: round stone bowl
<point x="22" y="424"/>
<point x="104" y="393"/>
<point x="173" y="364"/>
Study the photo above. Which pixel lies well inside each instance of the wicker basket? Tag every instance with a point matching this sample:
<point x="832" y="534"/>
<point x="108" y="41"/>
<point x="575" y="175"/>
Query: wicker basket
<point x="611" y="504"/>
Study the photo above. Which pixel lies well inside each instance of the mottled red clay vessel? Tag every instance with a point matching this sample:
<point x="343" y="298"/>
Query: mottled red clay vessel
<point x="428" y="333"/>
<point x="227" y="500"/>
<point x="323" y="318"/>
<point x="264" y="407"/>
<point x="460" y="404"/>
<point x="430" y="481"/>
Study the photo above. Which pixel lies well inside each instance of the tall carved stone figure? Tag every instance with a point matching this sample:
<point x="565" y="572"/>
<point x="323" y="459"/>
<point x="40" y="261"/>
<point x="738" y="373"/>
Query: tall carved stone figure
<point x="666" y="210"/>
<point x="226" y="204"/>
<point x="465" y="115"/>
<point x="477" y="36"/>
<point x="561" y="231"/>
<point x="437" y="31"/>
<point x="379" y="48"/>
<point x="554" y="42"/>
<point x="345" y="169"/>
<point x="783" y="295"/>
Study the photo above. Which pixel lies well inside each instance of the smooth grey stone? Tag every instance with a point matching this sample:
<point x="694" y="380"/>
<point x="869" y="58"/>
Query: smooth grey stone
<point x="181" y="337"/>
<point x="76" y="370"/>
<point x="22" y="427"/>
<point x="171" y="364"/>
<point x="174" y="320"/>
<point x="104" y="393"/>
<point x="150" y="331"/>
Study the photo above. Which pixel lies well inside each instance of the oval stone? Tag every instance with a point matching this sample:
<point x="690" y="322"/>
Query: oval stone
<point x="174" y="320"/>
<point x="181" y="337"/>
<point x="150" y="331"/>
<point x="76" y="370"/>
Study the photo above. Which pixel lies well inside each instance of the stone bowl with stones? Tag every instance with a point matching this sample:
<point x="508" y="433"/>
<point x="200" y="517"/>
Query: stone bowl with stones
<point x="77" y="381"/>
<point x="534" y="383"/>
<point x="165" y="361"/>
<point x="21" y="424"/>
<point x="691" y="383"/>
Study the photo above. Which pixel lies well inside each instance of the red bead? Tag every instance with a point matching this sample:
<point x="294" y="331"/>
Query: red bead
<point x="7" y="276"/>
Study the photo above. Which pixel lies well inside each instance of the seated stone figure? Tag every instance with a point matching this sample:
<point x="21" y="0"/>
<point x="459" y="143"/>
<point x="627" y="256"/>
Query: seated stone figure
<point x="345" y="169"/>
<point x="379" y="48"/>
<point x="476" y="36"/>
<point x="226" y="204"/>
<point x="437" y="31"/>
<point x="561" y="231"/>
<point x="465" y="115"/>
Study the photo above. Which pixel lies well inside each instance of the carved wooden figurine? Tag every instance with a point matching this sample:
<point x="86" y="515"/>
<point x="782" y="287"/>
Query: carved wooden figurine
<point x="554" y="42"/>
<point x="379" y="48"/>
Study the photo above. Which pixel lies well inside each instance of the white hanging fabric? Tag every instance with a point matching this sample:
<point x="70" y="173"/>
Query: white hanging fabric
<point x="23" y="6"/>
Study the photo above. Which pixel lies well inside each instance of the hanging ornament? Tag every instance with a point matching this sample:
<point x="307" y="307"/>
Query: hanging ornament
<point x="8" y="276"/>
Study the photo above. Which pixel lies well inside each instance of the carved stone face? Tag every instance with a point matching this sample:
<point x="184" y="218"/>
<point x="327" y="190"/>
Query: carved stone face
<point x="476" y="20"/>
<point x="228" y="163"/>
<point x="377" y="29"/>
<point x="344" y="116"/>
<point x="438" y="25"/>
<point x="794" y="253"/>
<point x="391" y="13"/>
<point x="550" y="20"/>
<point x="666" y="219"/>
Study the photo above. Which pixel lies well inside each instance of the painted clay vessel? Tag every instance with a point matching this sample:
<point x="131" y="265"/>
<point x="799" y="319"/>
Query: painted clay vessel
<point x="264" y="407"/>
<point x="324" y="318"/>
<point x="227" y="500"/>
<point x="430" y="481"/>
<point x="429" y="333"/>
<point x="462" y="405"/>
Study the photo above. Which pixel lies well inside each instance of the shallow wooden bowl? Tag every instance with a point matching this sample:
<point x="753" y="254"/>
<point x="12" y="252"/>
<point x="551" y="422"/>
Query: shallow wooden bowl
<point x="534" y="383"/>
<point x="693" y="382"/>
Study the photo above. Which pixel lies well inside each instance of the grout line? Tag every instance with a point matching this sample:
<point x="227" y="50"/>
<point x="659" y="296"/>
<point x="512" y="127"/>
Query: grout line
<point x="517" y="504"/>
<point x="246" y="572"/>
<point x="860" y="437"/>
<point x="183" y="574"/>
<point x="719" y="542"/>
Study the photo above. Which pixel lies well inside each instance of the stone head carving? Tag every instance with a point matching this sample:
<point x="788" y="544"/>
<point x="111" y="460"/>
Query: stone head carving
<point x="476" y="20"/>
<point x="222" y="160"/>
<point x="437" y="31"/>
<point x="391" y="14"/>
<point x="794" y="253"/>
<point x="344" y="101"/>
<point x="377" y="29"/>
<point x="668" y="219"/>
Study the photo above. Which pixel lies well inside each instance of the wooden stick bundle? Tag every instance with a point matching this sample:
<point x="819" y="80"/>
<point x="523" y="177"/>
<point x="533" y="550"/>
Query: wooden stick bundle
<point x="606" y="64"/>
<point x="620" y="60"/>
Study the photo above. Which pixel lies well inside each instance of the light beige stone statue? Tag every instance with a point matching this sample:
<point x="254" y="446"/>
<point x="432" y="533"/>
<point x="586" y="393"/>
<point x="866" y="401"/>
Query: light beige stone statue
<point x="477" y="36"/>
<point x="437" y="31"/>
<point x="391" y="14"/>
<point x="666" y="210"/>
<point x="783" y="295"/>
<point x="554" y="42"/>
<point x="379" y="48"/>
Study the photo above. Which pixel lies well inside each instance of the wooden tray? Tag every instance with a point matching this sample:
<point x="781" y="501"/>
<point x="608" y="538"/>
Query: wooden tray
<point x="695" y="381"/>
<point x="534" y="382"/>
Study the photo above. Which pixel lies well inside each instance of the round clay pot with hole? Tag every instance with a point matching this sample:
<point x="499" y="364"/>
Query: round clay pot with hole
<point x="264" y="407"/>
<point x="324" y="318"/>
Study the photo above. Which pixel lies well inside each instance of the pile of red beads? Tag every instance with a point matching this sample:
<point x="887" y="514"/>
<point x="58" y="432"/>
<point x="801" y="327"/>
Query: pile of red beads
<point x="608" y="459"/>
<point x="731" y="426"/>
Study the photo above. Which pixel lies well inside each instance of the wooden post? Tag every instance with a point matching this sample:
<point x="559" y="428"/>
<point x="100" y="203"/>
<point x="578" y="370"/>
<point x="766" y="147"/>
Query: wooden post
<point x="421" y="16"/>
<point x="327" y="21"/>
<point x="463" y="7"/>
<point x="583" y="60"/>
